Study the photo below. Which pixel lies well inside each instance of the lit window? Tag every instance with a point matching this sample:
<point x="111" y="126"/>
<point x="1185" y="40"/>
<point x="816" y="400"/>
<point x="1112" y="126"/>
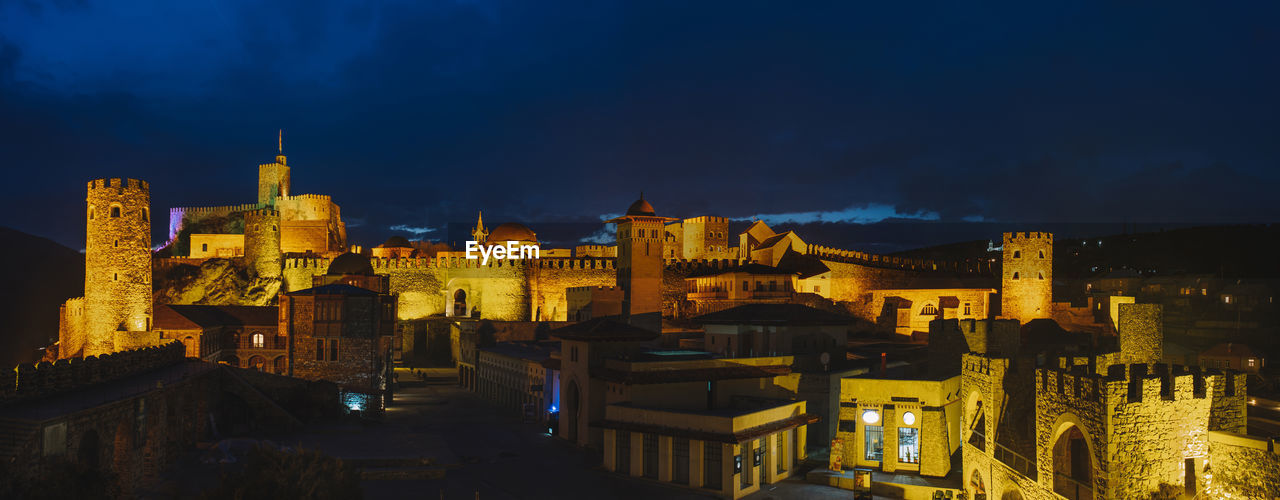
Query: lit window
<point x="874" y="442"/>
<point x="259" y="340"/>
<point x="1251" y="362"/>
<point x="1226" y="299"/>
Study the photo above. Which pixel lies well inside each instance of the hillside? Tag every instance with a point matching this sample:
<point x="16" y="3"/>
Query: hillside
<point x="42" y="274"/>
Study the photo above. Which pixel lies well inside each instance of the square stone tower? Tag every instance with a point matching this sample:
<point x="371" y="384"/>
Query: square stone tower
<point x="1026" y="284"/>
<point x="641" y="234"/>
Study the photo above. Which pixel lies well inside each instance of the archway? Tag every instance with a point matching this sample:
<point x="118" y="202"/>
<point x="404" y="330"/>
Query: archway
<point x="279" y="366"/>
<point x="569" y="412"/>
<point x="257" y="363"/>
<point x="460" y="303"/>
<point x="189" y="343"/>
<point x="1072" y="464"/>
<point x="1011" y="493"/>
<point x="977" y="487"/>
<point x="88" y="452"/>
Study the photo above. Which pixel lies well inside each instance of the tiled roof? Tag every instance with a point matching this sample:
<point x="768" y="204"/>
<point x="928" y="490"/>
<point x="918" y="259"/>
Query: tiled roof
<point x="641" y="377"/>
<point x="188" y="316"/>
<point x="603" y="329"/>
<point x="785" y="314"/>
<point x="334" y="289"/>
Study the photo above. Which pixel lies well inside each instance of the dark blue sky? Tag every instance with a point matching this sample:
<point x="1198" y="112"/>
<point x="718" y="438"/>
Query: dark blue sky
<point x="417" y="114"/>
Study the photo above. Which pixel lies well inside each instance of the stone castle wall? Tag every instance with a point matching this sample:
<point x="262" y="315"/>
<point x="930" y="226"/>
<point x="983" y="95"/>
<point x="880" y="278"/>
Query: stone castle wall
<point x="46" y="378"/>
<point x="71" y="323"/>
<point x="180" y="217"/>
<point x="1243" y="466"/>
<point x="117" y="264"/>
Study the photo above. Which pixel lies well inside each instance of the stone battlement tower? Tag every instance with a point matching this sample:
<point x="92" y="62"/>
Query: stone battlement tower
<point x="273" y="178"/>
<point x="1026" y="282"/>
<point x="641" y="234"/>
<point x="262" y="242"/>
<point x="117" y="265"/>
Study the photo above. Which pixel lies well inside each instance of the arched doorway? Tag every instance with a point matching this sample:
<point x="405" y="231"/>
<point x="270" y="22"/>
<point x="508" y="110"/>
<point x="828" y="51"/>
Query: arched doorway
<point x="278" y="366"/>
<point x="977" y="486"/>
<point x="1011" y="493"/>
<point x="570" y="411"/>
<point x="257" y="362"/>
<point x="460" y="303"/>
<point x="88" y="452"/>
<point x="1072" y="465"/>
<point x="189" y="343"/>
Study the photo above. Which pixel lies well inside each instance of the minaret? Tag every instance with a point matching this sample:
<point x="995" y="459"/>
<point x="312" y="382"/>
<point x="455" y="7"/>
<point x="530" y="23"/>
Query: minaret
<point x="640" y="238"/>
<point x="480" y="235"/>
<point x="273" y="178"/>
<point x="117" y="266"/>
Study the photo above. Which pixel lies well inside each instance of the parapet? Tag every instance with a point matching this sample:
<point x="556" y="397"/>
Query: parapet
<point x="119" y="184"/>
<point x="1028" y="236"/>
<point x="706" y="219"/>
<point x="29" y="381"/>
<point x="262" y="212"/>
<point x="1134" y="383"/>
<point x="978" y="266"/>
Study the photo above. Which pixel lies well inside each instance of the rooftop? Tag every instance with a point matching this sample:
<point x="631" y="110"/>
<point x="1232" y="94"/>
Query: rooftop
<point x="334" y="289"/>
<point x="603" y="329"/>
<point x="774" y="314"/>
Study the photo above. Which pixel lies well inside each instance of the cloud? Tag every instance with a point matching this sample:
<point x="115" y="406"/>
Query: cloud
<point x="868" y="214"/>
<point x="417" y="231"/>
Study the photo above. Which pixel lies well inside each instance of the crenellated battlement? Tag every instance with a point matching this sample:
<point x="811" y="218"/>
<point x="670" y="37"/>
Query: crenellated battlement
<point x="29" y="381"/>
<point x="212" y="211"/>
<point x="976" y="266"/>
<point x="118" y="184"/>
<point x="1132" y="383"/>
<point x="262" y="212"/>
<point x="454" y="262"/>
<point x="307" y="197"/>
<point x="1028" y="236"/>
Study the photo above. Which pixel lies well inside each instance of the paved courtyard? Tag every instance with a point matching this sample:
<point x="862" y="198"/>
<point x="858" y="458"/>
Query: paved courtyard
<point x="483" y="452"/>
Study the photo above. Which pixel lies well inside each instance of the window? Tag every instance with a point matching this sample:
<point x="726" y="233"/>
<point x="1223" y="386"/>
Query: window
<point x="1015" y="275"/>
<point x="746" y="285"/>
<point x="1251" y="362"/>
<point x="204" y="247"/>
<point x="873" y="442"/>
<point x="929" y="310"/>
<point x="259" y="340"/>
<point x="1017" y="254"/>
<point x="1040" y="275"/>
<point x="848" y="426"/>
<point x="967" y="310"/>
<point x="817" y="289"/>
<point x="908" y="445"/>
<point x="117" y="244"/>
<point x="146" y="214"/>
<point x="1042" y="254"/>
<point x="333" y="349"/>
<point x="115" y="212"/>
<point x="319" y="349"/>
<point x="90" y="213"/>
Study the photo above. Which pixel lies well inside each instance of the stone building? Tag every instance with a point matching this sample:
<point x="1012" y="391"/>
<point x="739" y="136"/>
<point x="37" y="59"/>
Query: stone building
<point x="513" y="375"/>
<point x="341" y="332"/>
<point x="116" y="312"/>
<point x="1087" y="422"/>
<point x="240" y="336"/>
<point x="640" y="239"/>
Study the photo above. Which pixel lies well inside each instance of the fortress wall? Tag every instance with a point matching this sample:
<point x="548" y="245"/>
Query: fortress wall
<point x="1243" y="466"/>
<point x="45" y="378"/>
<point x="181" y="216"/>
<point x="303" y="236"/>
<point x="548" y="286"/>
<point x="306" y="207"/>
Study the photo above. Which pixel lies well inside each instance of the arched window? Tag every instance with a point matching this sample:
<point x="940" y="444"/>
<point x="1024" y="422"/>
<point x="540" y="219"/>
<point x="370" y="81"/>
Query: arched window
<point x="1042" y="254"/>
<point x="115" y="212"/>
<point x="1015" y="275"/>
<point x="929" y="310"/>
<point x="259" y="340"/>
<point x="1017" y="254"/>
<point x="90" y="213"/>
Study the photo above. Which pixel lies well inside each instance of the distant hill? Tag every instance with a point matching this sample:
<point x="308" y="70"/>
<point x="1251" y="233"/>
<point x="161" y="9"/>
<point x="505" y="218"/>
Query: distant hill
<point x="42" y="275"/>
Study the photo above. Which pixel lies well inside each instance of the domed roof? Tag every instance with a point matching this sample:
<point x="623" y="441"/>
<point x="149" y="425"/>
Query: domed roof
<point x="350" y="263"/>
<point x="641" y="207"/>
<point x="512" y="231"/>
<point x="397" y="242"/>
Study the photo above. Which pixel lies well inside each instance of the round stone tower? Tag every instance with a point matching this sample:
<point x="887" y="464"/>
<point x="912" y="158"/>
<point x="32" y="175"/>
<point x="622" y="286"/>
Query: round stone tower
<point x="117" y="265"/>
<point x="262" y="241"/>
<point x="1026" y="284"/>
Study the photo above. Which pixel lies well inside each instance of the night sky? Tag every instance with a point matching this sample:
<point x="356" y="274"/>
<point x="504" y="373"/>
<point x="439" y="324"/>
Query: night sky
<point x="417" y="114"/>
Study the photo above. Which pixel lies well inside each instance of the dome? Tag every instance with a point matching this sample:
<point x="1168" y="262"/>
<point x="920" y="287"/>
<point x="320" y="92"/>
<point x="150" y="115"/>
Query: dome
<point x="641" y="207"/>
<point x="512" y="231"/>
<point x="397" y="242"/>
<point x="350" y="263"/>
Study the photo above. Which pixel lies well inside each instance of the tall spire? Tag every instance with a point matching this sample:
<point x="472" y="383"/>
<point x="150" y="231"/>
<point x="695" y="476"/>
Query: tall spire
<point x="280" y="147"/>
<point x="480" y="234"/>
